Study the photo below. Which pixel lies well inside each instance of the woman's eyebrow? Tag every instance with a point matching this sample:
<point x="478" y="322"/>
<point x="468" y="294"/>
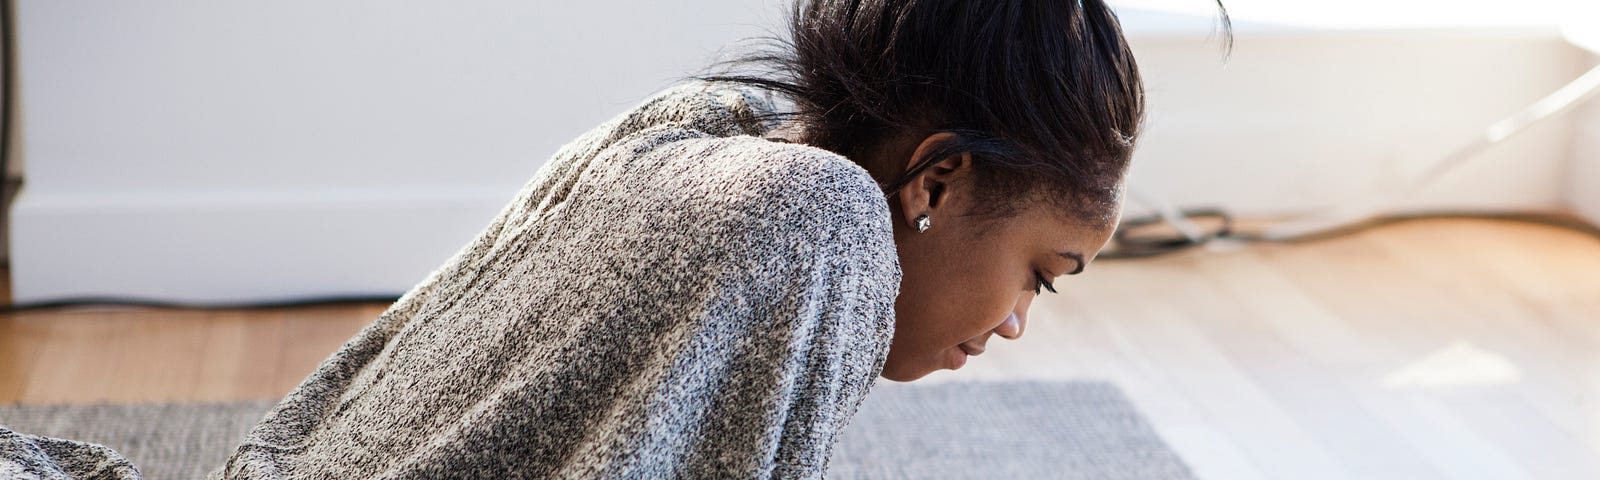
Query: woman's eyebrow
<point x="1074" y="256"/>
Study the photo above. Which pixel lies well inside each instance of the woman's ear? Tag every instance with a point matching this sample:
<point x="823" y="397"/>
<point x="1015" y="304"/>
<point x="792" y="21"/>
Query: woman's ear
<point x="930" y="192"/>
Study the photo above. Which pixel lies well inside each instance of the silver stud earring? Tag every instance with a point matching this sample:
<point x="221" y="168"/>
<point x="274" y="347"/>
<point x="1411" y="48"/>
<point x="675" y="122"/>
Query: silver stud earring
<point x="923" y="224"/>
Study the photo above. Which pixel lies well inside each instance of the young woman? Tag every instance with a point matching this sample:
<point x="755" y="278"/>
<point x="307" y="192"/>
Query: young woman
<point x="708" y="285"/>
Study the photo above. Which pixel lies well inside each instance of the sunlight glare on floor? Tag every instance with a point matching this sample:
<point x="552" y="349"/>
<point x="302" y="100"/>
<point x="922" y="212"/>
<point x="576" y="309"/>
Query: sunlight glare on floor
<point x="1461" y="364"/>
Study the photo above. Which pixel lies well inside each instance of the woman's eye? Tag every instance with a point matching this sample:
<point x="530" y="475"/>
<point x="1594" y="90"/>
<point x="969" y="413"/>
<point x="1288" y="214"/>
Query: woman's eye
<point x="1039" y="281"/>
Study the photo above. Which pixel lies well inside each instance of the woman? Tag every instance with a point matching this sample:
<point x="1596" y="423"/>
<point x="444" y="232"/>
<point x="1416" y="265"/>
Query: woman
<point x="707" y="286"/>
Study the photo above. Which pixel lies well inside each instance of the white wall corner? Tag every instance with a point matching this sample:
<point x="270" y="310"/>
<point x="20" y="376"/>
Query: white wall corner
<point x="1583" y="180"/>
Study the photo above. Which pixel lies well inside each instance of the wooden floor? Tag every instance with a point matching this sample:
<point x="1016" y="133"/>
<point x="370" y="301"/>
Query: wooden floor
<point x="1442" y="349"/>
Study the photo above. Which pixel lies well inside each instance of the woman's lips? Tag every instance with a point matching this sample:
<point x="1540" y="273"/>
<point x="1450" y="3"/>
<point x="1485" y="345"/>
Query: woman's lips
<point x="960" y="353"/>
<point x="970" y="350"/>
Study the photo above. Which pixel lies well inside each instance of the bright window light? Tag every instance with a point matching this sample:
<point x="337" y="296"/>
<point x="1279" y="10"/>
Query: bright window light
<point x="1374" y="14"/>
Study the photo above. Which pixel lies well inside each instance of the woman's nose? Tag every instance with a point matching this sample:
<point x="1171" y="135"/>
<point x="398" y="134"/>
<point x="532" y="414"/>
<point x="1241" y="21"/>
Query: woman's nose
<point x="1011" y="329"/>
<point x="1017" y="320"/>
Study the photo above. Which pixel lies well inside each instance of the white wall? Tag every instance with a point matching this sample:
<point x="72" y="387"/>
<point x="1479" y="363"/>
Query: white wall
<point x="1583" y="180"/>
<point x="1298" y="120"/>
<point x="233" y="151"/>
<point x="228" y="151"/>
<point x="1583" y="186"/>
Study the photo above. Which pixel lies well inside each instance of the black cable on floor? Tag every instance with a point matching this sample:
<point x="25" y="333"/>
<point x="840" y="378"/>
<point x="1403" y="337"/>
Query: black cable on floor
<point x="1131" y="241"/>
<point x="1562" y="221"/>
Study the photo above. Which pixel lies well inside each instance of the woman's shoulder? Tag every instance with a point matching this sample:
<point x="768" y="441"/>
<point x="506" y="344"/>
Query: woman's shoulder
<point x="772" y="175"/>
<point x="700" y="146"/>
<point x="717" y="108"/>
<point x="796" y="167"/>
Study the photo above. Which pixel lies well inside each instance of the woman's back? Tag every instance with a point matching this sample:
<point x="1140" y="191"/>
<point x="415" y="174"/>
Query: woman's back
<point x="665" y="298"/>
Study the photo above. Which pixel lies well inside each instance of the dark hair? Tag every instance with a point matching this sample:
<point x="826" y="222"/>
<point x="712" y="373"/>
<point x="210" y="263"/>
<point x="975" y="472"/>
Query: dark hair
<point x="1045" y="95"/>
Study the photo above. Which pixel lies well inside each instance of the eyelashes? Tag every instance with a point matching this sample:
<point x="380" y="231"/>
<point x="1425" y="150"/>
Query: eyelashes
<point x="1040" y="282"/>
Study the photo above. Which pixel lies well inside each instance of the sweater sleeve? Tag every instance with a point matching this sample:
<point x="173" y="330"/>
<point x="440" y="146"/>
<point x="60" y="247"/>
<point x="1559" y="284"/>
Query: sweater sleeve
<point x="859" y="271"/>
<point x="32" y="456"/>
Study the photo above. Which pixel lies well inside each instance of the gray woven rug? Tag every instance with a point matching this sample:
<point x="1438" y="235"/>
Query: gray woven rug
<point x="1071" y="430"/>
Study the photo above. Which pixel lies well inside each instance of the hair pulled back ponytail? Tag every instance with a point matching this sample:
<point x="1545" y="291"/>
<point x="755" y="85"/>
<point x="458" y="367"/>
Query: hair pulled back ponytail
<point x="1045" y="95"/>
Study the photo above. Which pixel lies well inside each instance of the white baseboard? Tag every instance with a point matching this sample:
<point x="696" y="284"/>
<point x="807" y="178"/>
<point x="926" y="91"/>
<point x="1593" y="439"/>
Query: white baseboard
<point x="227" y="247"/>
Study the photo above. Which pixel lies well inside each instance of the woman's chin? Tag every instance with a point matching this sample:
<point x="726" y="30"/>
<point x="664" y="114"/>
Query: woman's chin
<point x="955" y="358"/>
<point x="897" y="372"/>
<point x="951" y="359"/>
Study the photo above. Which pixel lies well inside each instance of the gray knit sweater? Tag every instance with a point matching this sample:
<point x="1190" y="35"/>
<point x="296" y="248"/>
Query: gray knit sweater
<point x="668" y="297"/>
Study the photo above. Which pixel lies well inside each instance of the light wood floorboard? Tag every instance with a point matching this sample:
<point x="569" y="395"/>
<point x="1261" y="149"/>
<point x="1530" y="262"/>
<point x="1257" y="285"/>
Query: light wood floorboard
<point x="1438" y="349"/>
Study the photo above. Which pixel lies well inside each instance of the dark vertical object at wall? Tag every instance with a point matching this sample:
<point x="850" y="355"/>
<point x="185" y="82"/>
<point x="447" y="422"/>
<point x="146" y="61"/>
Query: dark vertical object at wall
<point x="8" y="188"/>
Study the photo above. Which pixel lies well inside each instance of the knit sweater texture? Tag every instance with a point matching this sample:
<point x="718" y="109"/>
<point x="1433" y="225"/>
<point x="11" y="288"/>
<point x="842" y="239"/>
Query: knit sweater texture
<point x="670" y="296"/>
